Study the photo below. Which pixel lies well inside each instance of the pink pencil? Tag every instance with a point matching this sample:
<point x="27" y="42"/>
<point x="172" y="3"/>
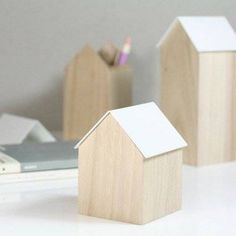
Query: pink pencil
<point x="123" y="57"/>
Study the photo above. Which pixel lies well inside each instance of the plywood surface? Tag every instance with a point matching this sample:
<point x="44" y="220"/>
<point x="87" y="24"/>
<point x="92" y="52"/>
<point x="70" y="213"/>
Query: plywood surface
<point x="116" y="181"/>
<point x="217" y="73"/>
<point x="162" y="185"/>
<point x="197" y="95"/>
<point x="85" y="96"/>
<point x="110" y="178"/>
<point x="179" y="87"/>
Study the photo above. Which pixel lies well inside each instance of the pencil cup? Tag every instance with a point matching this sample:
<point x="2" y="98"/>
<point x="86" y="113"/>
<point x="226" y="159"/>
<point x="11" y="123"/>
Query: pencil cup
<point x="92" y="87"/>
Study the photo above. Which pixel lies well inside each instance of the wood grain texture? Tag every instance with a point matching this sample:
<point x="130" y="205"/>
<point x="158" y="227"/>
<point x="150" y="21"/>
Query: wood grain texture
<point x="111" y="175"/>
<point x="116" y="182"/>
<point x="179" y="87"/>
<point x="162" y="185"/>
<point x="233" y="133"/>
<point x="215" y="125"/>
<point x="197" y="97"/>
<point x="92" y="88"/>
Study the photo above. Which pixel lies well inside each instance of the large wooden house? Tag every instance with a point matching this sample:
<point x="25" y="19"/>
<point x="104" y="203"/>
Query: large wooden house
<point x="198" y="74"/>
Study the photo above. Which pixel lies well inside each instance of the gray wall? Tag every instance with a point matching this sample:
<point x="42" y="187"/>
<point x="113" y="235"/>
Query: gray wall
<point x="37" y="38"/>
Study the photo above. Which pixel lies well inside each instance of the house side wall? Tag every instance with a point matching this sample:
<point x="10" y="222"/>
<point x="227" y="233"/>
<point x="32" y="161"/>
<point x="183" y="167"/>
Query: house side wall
<point x="162" y="185"/>
<point x="215" y="131"/>
<point x="86" y="93"/>
<point x="233" y="140"/>
<point x="179" y="87"/>
<point x="110" y="175"/>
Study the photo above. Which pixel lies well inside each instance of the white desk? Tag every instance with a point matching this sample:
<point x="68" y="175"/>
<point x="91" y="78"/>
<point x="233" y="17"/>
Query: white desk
<point x="50" y="208"/>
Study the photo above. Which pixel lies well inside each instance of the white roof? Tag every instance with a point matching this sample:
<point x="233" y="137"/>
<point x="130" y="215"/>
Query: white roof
<point x="147" y="127"/>
<point x="208" y="34"/>
<point x="16" y="129"/>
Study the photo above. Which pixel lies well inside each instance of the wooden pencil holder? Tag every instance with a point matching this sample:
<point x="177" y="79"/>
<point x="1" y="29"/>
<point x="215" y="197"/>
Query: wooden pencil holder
<point x="92" y="87"/>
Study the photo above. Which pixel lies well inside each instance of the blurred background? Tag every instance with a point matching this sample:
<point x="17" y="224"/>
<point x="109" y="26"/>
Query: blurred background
<point x="38" y="38"/>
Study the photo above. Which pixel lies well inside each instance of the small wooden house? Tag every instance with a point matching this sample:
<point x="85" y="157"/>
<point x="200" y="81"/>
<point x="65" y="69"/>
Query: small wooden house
<point x="92" y="87"/>
<point x="130" y="166"/>
<point x="198" y="74"/>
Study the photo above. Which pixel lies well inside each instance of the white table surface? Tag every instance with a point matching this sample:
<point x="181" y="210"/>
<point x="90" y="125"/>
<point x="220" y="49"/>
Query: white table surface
<point x="50" y="208"/>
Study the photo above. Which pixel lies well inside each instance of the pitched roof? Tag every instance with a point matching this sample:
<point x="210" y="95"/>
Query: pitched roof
<point x="147" y="127"/>
<point x="208" y="34"/>
<point x="15" y="129"/>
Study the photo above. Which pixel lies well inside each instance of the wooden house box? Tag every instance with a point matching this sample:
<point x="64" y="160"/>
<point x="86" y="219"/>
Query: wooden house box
<point x="198" y="74"/>
<point x="92" y="87"/>
<point x="130" y="166"/>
